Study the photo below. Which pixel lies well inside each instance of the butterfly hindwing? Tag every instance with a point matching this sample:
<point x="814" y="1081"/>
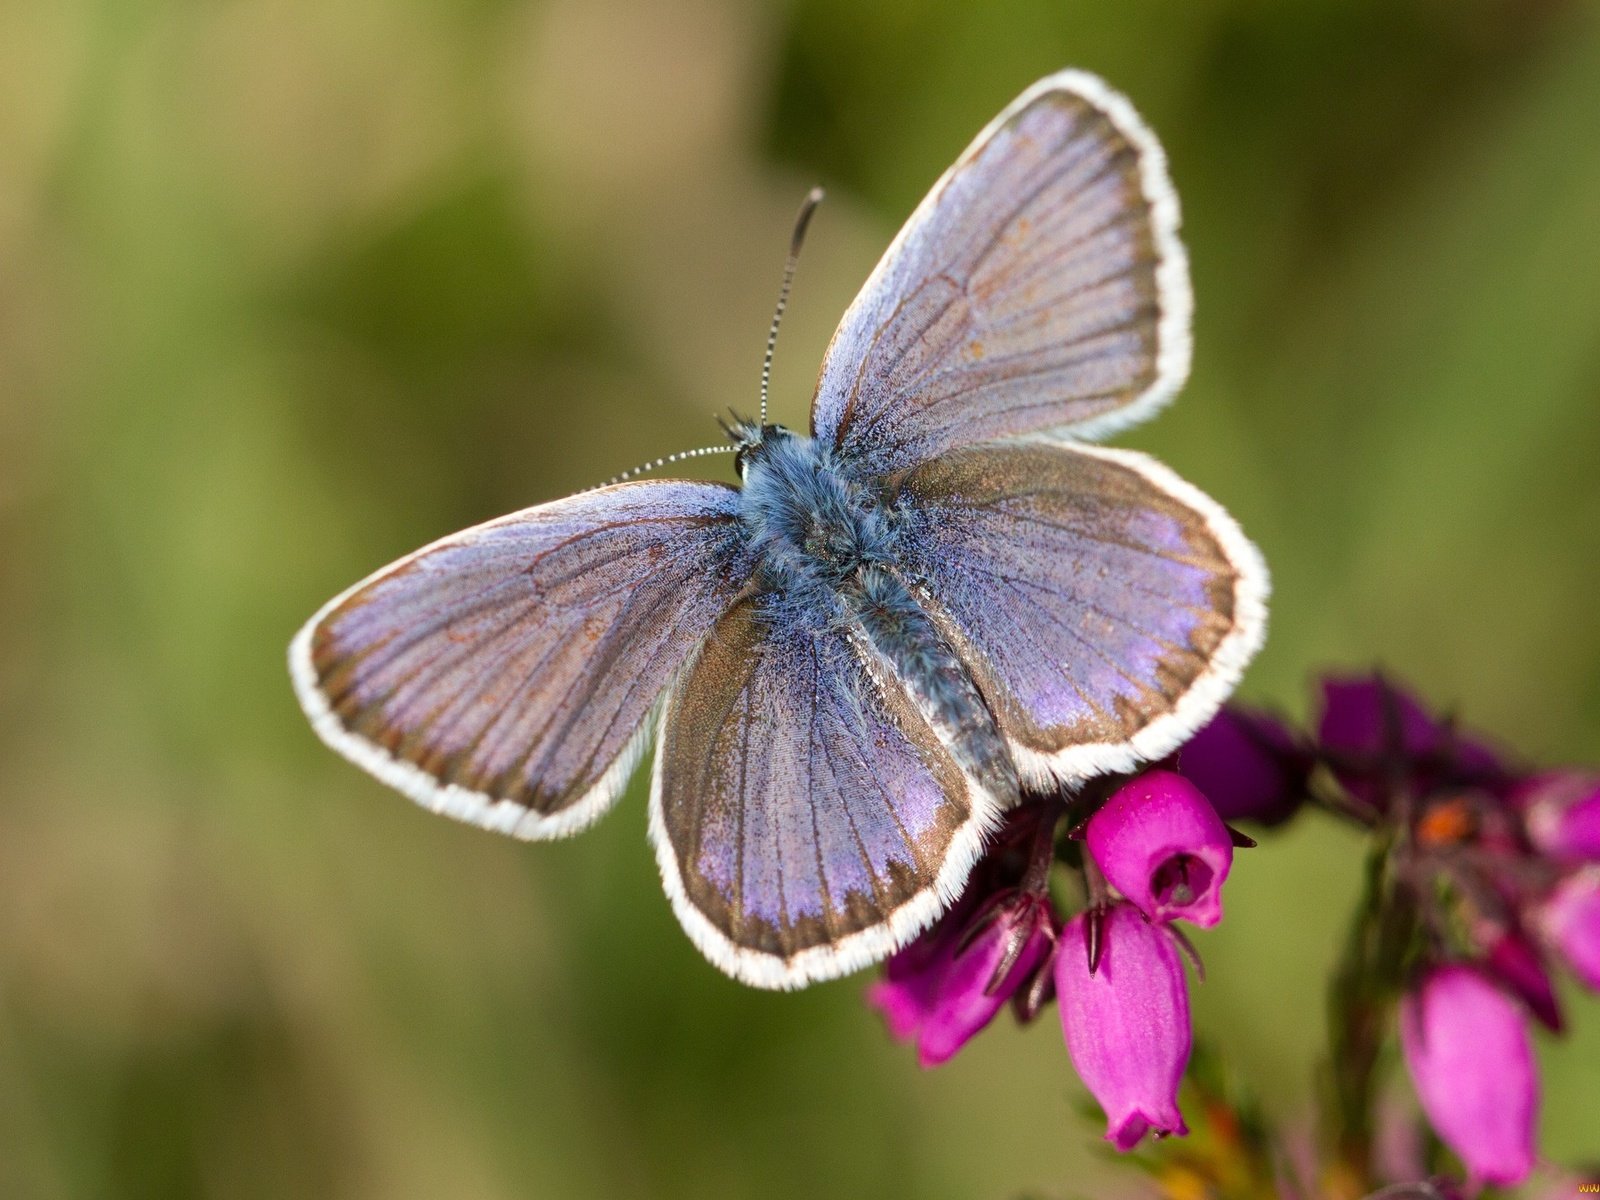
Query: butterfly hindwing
<point x="1040" y="286"/>
<point x="505" y="675"/>
<point x="806" y="819"/>
<point x="1104" y="606"/>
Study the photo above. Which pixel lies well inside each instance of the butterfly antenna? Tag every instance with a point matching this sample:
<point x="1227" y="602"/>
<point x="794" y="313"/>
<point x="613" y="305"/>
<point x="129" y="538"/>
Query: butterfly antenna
<point x="796" y="240"/>
<point x="665" y="460"/>
<point x="813" y="198"/>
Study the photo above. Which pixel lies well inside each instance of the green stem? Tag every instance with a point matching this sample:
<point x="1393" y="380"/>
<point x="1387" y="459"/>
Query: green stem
<point x="1361" y="1004"/>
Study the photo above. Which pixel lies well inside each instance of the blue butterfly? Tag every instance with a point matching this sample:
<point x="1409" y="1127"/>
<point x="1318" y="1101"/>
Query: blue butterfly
<point x="852" y="664"/>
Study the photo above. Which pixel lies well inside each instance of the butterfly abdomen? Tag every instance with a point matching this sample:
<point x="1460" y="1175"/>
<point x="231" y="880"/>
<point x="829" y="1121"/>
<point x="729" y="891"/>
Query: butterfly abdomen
<point x="896" y="628"/>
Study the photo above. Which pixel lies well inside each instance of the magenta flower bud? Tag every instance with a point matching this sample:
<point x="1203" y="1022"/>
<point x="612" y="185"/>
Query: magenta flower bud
<point x="1517" y="965"/>
<point x="940" y="992"/>
<point x="1159" y="842"/>
<point x="1248" y="765"/>
<point x="1571" y="921"/>
<point x="1366" y="716"/>
<point x="1374" y="731"/>
<point x="1127" y="1025"/>
<point x="1466" y="1045"/>
<point x="1562" y="811"/>
<point x="911" y="976"/>
<point x="903" y="997"/>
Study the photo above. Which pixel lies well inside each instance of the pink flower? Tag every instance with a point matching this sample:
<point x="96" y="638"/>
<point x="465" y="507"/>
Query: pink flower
<point x="1562" y="810"/>
<point x="1159" y="842"/>
<point x="1571" y="921"/>
<point x="1376" y="733"/>
<point x="1516" y="964"/>
<point x="1127" y="1024"/>
<point x="943" y="988"/>
<point x="1368" y="715"/>
<point x="1248" y="765"/>
<point x="1466" y="1045"/>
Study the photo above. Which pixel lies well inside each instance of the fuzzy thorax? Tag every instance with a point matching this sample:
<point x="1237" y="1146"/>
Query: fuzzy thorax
<point x="812" y="527"/>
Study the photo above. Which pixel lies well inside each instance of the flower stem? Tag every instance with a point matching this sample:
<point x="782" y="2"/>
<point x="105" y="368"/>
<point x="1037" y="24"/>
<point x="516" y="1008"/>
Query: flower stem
<point x="1361" y="1001"/>
<point x="1042" y="852"/>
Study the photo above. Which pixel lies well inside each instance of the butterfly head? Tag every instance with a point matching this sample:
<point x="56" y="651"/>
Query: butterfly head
<point x="751" y="437"/>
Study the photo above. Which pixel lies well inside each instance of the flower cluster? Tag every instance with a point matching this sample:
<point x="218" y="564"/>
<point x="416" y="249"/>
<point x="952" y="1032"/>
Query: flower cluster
<point x="1489" y="875"/>
<point x="1154" y="852"/>
<point x="1483" y="877"/>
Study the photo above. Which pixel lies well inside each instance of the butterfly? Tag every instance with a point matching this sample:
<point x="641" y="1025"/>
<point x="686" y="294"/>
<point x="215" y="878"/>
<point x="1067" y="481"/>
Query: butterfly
<point x="853" y="664"/>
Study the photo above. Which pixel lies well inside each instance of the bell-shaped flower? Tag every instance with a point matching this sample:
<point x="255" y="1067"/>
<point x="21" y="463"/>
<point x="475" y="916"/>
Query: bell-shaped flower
<point x="1159" y="842"/>
<point x="1466" y="1045"/>
<point x="945" y="987"/>
<point x="1375" y="733"/>
<point x="1364" y="715"/>
<point x="1562" y="812"/>
<point x="1512" y="960"/>
<point x="1248" y="765"/>
<point x="1126" y="1024"/>
<point x="905" y="993"/>
<point x="1571" y="921"/>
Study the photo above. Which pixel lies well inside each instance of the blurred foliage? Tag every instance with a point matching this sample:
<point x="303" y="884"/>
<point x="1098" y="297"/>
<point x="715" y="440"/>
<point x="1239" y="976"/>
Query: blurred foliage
<point x="289" y="287"/>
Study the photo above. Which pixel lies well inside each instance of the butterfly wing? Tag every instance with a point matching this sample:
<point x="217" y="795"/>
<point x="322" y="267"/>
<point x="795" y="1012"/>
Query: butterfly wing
<point x="805" y="817"/>
<point x="1040" y="286"/>
<point x="504" y="675"/>
<point x="1104" y="606"/>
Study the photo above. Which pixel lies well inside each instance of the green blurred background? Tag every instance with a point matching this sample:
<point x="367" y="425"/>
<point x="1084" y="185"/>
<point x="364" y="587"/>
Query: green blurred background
<point x="290" y="287"/>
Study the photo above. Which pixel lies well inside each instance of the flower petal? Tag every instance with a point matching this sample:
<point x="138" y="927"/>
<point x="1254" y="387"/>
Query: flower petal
<point x="1562" y="811"/>
<point x="1127" y="1025"/>
<point x="1248" y="765"/>
<point x="1466" y="1045"/>
<point x="1159" y="842"/>
<point x="1571" y="921"/>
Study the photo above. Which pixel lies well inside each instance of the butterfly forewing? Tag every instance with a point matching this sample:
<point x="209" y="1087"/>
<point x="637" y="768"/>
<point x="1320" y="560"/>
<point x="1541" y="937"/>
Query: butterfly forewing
<point x="806" y="819"/>
<point x="505" y="674"/>
<point x="1104" y="606"/>
<point x="1040" y="286"/>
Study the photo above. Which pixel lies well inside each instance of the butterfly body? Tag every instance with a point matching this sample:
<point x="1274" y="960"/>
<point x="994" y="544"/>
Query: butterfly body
<point x="827" y="554"/>
<point x="852" y="664"/>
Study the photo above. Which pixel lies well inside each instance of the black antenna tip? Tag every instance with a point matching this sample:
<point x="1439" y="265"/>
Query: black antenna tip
<point x="813" y="198"/>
